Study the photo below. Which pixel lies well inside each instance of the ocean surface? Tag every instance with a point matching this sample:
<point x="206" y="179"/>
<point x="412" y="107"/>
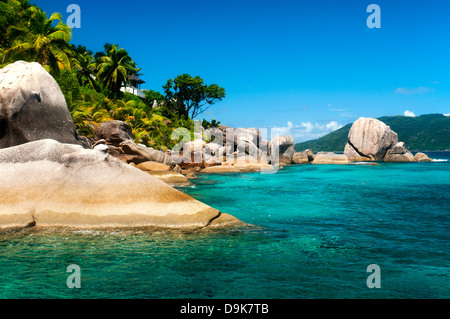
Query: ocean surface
<point x="314" y="231"/>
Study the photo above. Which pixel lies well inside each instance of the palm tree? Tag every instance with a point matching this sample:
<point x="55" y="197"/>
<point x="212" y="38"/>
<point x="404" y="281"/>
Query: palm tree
<point x="115" y="68"/>
<point x="84" y="66"/>
<point x="39" y="41"/>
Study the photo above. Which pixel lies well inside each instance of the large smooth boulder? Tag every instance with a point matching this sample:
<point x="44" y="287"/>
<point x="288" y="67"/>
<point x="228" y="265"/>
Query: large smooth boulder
<point x="399" y="153"/>
<point x="300" y="158"/>
<point x="113" y="132"/>
<point x="422" y="157"/>
<point x="369" y="140"/>
<point x="194" y="148"/>
<point x="47" y="183"/>
<point x="330" y="158"/>
<point x="214" y="149"/>
<point x="32" y="107"/>
<point x="282" y="149"/>
<point x="231" y="136"/>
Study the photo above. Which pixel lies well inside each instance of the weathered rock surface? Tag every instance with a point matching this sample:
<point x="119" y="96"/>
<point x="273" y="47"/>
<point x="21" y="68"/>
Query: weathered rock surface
<point x="196" y="155"/>
<point x="399" y="154"/>
<point x="32" y="107"/>
<point x="421" y="157"/>
<point x="330" y="158"/>
<point x="282" y="149"/>
<point x="369" y="140"/>
<point x="171" y="178"/>
<point x="301" y="158"/>
<point x="310" y="155"/>
<point x="142" y="153"/>
<point x="47" y="183"/>
<point x="113" y="132"/>
<point x="233" y="135"/>
<point x="153" y="166"/>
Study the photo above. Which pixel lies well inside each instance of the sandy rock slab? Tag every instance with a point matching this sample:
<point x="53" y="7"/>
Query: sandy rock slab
<point x="330" y="158"/>
<point x="47" y="183"/>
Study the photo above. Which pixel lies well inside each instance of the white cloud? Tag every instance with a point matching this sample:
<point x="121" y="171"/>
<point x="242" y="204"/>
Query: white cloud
<point x="447" y="114"/>
<point x="306" y="130"/>
<point x="409" y="114"/>
<point x="408" y="91"/>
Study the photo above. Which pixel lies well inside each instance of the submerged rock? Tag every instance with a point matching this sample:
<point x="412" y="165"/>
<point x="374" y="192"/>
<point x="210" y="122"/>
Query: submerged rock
<point x="47" y="183"/>
<point x="32" y="107"/>
<point x="220" y="169"/>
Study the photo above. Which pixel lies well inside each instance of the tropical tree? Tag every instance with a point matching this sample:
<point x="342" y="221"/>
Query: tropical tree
<point x="11" y="18"/>
<point x="115" y="68"/>
<point x="190" y="96"/>
<point x="84" y="66"/>
<point x="40" y="41"/>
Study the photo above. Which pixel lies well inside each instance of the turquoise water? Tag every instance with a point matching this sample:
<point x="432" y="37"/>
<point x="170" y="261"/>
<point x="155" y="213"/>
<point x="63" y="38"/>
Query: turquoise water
<point x="315" y="230"/>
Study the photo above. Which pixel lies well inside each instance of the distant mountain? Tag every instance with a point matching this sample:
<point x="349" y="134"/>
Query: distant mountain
<point x="430" y="132"/>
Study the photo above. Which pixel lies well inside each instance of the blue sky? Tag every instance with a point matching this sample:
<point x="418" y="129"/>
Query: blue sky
<point x="306" y="67"/>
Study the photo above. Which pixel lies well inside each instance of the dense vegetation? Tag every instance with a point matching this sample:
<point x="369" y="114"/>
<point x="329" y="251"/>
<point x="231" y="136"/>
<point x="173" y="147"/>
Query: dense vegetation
<point x="91" y="83"/>
<point x="430" y="132"/>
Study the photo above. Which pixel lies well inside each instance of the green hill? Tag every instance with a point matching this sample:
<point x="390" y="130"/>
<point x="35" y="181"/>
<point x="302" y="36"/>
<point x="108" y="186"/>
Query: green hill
<point x="430" y="132"/>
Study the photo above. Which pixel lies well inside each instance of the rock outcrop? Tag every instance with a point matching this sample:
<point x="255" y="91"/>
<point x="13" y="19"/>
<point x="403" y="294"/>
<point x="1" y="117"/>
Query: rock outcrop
<point x="421" y="157"/>
<point x="113" y="132"/>
<point x="140" y="153"/>
<point x="330" y="158"/>
<point x="300" y="158"/>
<point x="399" y="153"/>
<point x="303" y="157"/>
<point x="369" y="140"/>
<point x="47" y="183"/>
<point x="32" y="107"/>
<point x="282" y="149"/>
<point x="233" y="135"/>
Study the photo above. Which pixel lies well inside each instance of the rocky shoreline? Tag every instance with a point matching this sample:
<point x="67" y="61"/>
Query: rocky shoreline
<point x="53" y="177"/>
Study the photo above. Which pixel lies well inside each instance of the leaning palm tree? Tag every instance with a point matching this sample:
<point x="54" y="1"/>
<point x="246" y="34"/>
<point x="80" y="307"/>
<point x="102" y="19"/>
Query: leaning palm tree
<point x="40" y="41"/>
<point x="115" y="68"/>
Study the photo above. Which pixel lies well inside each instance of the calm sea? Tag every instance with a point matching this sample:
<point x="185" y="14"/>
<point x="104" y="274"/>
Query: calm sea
<point x="316" y="229"/>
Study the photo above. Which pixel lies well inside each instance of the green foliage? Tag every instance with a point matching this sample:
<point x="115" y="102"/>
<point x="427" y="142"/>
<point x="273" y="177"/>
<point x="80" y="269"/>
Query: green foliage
<point x="84" y="66"/>
<point x="38" y="40"/>
<point x="69" y="86"/>
<point x="91" y="83"/>
<point x="189" y="96"/>
<point x="332" y="142"/>
<point x="115" y="68"/>
<point x="206" y="125"/>
<point x="430" y="132"/>
<point x="11" y="19"/>
<point x="423" y="133"/>
<point x="151" y="96"/>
